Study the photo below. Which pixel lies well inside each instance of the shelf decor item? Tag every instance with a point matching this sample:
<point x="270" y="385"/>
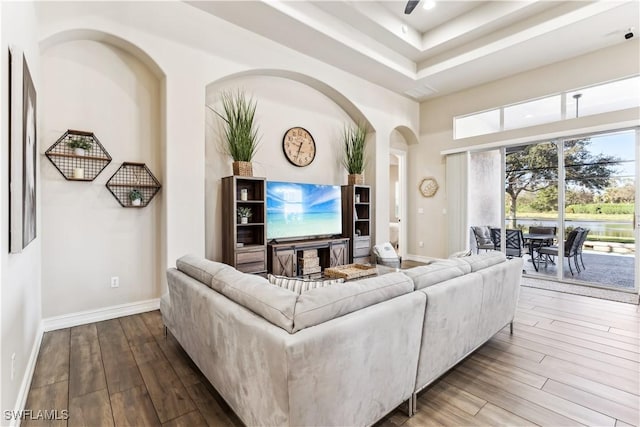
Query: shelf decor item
<point x="244" y="213"/>
<point x="354" y="158"/>
<point x="135" y="196"/>
<point x="78" y="155"/>
<point x="240" y="132"/>
<point x="80" y="144"/>
<point x="133" y="185"/>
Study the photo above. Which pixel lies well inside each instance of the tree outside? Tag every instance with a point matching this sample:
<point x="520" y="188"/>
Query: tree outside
<point x="532" y="173"/>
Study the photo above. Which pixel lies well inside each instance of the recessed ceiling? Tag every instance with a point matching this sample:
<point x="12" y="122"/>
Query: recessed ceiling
<point x="456" y="45"/>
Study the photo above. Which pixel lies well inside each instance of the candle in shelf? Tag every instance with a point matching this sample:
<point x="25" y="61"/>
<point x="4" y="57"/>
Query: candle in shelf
<point x="78" y="173"/>
<point x="243" y="194"/>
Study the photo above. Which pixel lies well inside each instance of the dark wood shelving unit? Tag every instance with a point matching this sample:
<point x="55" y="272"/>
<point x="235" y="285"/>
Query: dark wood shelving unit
<point x="244" y="246"/>
<point x="356" y="221"/>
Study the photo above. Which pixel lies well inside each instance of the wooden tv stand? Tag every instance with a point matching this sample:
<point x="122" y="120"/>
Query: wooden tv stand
<point x="282" y="258"/>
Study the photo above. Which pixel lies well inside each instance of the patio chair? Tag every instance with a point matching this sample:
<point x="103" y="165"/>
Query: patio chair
<point x="482" y="235"/>
<point x="583" y="237"/>
<point x="570" y="248"/>
<point x="514" y="241"/>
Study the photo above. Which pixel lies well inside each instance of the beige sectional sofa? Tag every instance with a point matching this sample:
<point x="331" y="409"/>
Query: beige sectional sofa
<point x="345" y="354"/>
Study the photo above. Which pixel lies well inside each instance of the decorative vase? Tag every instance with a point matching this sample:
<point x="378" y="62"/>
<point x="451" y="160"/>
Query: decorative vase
<point x="136" y="202"/>
<point x="243" y="194"/>
<point x="244" y="220"/>
<point x="242" y="169"/>
<point x="355" y="179"/>
<point x="79" y="151"/>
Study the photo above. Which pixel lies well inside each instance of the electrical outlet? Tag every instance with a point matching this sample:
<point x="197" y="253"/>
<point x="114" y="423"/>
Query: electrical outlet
<point x="13" y="366"/>
<point x="421" y="244"/>
<point x="115" y="282"/>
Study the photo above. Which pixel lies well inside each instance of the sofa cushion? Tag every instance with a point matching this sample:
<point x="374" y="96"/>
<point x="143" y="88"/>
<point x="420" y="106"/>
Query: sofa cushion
<point x="255" y="293"/>
<point x="436" y="272"/>
<point x="323" y="304"/>
<point x="300" y="285"/>
<point x="199" y="268"/>
<point x="480" y="261"/>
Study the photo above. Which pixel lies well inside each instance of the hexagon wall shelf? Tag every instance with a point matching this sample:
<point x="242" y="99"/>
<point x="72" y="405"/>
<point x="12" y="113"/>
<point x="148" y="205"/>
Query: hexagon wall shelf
<point x="133" y="177"/>
<point x="78" y="165"/>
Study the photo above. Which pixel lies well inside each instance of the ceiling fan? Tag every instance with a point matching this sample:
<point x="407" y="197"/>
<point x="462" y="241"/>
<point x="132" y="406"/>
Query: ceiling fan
<point x="411" y="4"/>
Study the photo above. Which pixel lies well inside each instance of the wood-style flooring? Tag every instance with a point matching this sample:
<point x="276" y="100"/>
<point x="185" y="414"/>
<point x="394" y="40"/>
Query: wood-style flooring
<point x="572" y="360"/>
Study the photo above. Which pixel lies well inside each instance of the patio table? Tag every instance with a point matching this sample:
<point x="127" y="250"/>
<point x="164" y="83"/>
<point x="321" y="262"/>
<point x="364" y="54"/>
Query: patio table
<point x="537" y="240"/>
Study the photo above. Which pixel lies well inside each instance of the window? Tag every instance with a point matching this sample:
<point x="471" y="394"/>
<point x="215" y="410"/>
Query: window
<point x="533" y="113"/>
<point x="477" y="124"/>
<point x="612" y="96"/>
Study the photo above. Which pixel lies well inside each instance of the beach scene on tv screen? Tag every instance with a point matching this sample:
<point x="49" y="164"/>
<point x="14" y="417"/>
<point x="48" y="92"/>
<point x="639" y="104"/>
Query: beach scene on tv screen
<point x="302" y="210"/>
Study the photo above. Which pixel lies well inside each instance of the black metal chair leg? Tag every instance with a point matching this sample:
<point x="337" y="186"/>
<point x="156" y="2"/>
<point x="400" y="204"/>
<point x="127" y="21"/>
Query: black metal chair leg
<point x="569" y="262"/>
<point x="582" y="261"/>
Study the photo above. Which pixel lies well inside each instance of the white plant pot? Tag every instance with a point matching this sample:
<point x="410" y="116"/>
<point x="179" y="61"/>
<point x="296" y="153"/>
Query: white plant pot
<point x="80" y="151"/>
<point x="244" y="220"/>
<point x="136" y="202"/>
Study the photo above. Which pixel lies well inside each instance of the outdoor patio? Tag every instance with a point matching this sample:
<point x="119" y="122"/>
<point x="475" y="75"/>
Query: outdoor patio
<point x="611" y="270"/>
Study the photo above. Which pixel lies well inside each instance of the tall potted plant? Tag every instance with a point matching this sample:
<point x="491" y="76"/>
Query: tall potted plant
<point x="240" y="131"/>
<point x="354" y="158"/>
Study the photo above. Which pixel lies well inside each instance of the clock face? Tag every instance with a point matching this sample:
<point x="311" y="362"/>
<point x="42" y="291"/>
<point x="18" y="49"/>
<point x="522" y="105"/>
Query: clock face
<point x="299" y="147"/>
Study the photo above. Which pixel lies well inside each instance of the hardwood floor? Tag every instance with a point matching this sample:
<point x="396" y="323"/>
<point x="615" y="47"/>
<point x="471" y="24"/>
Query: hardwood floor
<point x="572" y="360"/>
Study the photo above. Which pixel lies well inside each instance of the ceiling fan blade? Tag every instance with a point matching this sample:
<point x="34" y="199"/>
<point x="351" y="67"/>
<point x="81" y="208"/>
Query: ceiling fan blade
<point x="411" y="4"/>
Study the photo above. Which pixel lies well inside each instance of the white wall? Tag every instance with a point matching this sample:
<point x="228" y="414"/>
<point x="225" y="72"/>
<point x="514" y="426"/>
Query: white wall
<point x="87" y="237"/>
<point x="436" y="122"/>
<point x="20" y="273"/>
<point x="196" y="53"/>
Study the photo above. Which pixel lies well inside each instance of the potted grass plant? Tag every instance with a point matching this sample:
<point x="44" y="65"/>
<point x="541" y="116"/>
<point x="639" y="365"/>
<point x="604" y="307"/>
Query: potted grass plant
<point x="240" y="132"/>
<point x="354" y="158"/>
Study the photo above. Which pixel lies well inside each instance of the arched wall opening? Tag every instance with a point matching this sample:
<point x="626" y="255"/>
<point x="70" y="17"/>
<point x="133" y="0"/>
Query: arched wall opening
<point x="98" y="82"/>
<point x="284" y="100"/>
<point x="400" y="139"/>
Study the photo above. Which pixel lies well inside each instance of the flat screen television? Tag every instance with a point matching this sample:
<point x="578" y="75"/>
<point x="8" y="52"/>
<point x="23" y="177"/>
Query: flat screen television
<point x="296" y="210"/>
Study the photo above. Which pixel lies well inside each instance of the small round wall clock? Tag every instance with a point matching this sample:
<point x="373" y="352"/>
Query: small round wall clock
<point x="299" y="147"/>
<point x="429" y="187"/>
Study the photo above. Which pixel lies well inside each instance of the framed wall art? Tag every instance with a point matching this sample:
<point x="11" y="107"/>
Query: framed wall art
<point x="29" y="148"/>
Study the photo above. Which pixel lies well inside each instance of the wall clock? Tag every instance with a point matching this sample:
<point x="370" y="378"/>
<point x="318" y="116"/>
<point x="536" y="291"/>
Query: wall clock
<point x="299" y="147"/>
<point x="429" y="187"/>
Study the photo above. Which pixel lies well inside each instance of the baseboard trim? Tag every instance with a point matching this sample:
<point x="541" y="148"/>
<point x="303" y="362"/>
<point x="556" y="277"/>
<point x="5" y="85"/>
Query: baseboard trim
<point x="23" y="393"/>
<point x="90" y="316"/>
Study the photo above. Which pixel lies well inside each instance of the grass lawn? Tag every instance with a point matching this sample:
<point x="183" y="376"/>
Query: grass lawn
<point x="575" y="216"/>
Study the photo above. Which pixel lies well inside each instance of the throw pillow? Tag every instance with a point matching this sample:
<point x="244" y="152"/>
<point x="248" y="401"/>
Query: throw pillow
<point x="300" y="285"/>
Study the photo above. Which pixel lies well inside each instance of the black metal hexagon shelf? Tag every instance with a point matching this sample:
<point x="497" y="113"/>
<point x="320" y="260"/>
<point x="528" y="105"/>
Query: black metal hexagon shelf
<point x="75" y="163"/>
<point x="131" y="182"/>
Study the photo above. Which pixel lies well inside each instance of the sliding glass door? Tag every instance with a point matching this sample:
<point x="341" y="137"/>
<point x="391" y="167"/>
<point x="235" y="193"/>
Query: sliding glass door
<point x="599" y="209"/>
<point x="531" y="202"/>
<point x="572" y="202"/>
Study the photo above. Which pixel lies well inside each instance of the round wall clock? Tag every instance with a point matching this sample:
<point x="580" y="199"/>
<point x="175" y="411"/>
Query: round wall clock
<point x="429" y="187"/>
<point x="299" y="147"/>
